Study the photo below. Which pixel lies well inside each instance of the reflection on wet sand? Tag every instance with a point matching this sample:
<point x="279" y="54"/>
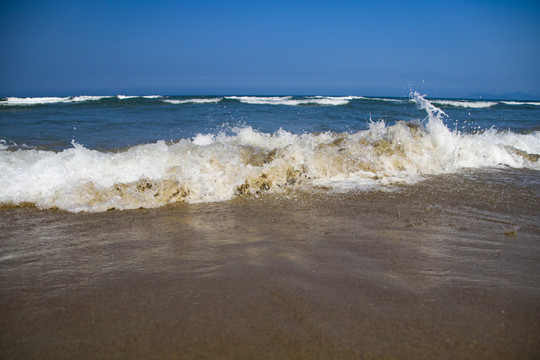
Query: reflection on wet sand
<point x="408" y="274"/>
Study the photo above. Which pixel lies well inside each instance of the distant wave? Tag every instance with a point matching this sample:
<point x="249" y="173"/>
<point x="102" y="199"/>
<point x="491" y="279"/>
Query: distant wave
<point x="193" y="101"/>
<point x="520" y="103"/>
<point x="465" y="103"/>
<point x="28" y="101"/>
<point x="258" y="100"/>
<point x="49" y="100"/>
<point x="480" y="104"/>
<point x="291" y="101"/>
<point x="127" y="97"/>
<point x="263" y="100"/>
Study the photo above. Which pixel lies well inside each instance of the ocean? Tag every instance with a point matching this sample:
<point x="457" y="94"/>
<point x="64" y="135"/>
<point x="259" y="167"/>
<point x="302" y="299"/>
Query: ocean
<point x="96" y="153"/>
<point x="270" y="227"/>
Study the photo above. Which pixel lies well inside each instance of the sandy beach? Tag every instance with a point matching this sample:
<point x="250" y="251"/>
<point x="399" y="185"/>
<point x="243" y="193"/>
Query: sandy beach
<point x="433" y="270"/>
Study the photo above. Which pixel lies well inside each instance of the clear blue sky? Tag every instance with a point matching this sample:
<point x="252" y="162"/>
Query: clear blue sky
<point x="442" y="48"/>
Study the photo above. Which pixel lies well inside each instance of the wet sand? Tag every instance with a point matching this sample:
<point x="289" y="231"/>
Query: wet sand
<point x="427" y="272"/>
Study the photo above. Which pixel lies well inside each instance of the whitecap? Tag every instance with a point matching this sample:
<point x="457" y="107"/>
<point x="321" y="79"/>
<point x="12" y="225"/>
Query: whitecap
<point x="15" y="101"/>
<point x="192" y="101"/>
<point x="290" y="101"/>
<point x="465" y="103"/>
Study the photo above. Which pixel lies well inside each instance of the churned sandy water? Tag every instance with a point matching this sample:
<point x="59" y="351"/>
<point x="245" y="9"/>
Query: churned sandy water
<point x="448" y="268"/>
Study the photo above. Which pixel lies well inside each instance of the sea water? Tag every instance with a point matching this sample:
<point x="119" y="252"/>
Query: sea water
<point x="96" y="153"/>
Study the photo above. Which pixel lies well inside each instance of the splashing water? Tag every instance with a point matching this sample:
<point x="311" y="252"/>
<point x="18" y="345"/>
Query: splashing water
<point x="218" y="167"/>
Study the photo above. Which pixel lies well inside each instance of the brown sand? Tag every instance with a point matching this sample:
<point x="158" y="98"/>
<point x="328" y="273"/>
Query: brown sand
<point x="369" y="275"/>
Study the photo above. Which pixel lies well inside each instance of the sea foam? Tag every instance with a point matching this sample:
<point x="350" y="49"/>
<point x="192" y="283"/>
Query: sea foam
<point x="16" y="101"/>
<point x="520" y="103"/>
<point x="193" y="101"/>
<point x="290" y="101"/>
<point x="28" y="101"/>
<point x="465" y="103"/>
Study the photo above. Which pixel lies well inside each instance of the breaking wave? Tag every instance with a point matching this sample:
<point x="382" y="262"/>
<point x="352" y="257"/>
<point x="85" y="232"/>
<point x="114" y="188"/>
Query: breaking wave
<point x="210" y="167"/>
<point x="258" y="100"/>
<point x="465" y="104"/>
<point x="193" y="101"/>
<point x="521" y="103"/>
<point x="28" y="101"/>
<point x="291" y="101"/>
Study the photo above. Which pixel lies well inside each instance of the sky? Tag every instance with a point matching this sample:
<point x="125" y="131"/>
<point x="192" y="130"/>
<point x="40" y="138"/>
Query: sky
<point x="285" y="47"/>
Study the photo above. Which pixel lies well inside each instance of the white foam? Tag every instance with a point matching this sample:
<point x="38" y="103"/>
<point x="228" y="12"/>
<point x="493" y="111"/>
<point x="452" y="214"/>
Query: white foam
<point x="265" y="100"/>
<point x="203" y="139"/>
<point x="290" y="101"/>
<point x="127" y="97"/>
<point x="327" y="100"/>
<point x="533" y="103"/>
<point x="33" y="100"/>
<point x="193" y="101"/>
<point x="87" y="98"/>
<point x="465" y="103"/>
<point x="218" y="167"/>
<point x="15" y="101"/>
